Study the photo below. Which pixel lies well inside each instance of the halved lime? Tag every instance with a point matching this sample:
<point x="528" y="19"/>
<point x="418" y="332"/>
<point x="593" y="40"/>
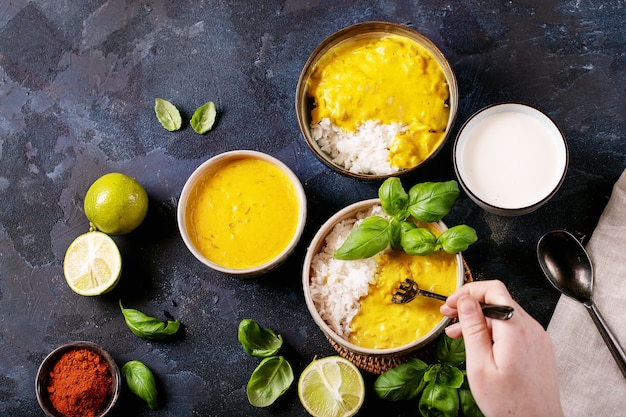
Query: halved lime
<point x="92" y="264"/>
<point x="331" y="387"/>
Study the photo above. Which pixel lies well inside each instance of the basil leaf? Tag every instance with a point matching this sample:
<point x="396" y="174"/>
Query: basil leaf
<point x="271" y="379"/>
<point x="431" y="201"/>
<point x="432" y="372"/>
<point x="457" y="238"/>
<point x="395" y="233"/>
<point x="365" y="240"/>
<point x="450" y="351"/>
<point x="148" y="327"/>
<point x="418" y="241"/>
<point x="439" y="400"/>
<point x="167" y="114"/>
<point x="468" y="403"/>
<point x="203" y="118"/>
<point x="393" y="199"/>
<point x="256" y="341"/>
<point x="447" y="375"/>
<point x="403" y="382"/>
<point x="140" y="381"/>
<point x="450" y="376"/>
<point x="407" y="225"/>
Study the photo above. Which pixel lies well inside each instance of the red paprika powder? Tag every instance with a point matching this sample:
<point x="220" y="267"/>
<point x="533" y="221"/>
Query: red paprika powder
<point x="80" y="383"/>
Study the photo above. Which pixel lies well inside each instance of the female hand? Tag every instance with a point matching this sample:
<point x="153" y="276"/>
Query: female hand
<point x="510" y="364"/>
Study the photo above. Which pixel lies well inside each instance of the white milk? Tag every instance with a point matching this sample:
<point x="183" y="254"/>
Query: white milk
<point x="511" y="156"/>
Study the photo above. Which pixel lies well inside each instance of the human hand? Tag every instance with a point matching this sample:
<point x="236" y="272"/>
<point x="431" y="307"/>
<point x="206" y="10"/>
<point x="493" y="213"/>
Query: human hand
<point x="511" y="366"/>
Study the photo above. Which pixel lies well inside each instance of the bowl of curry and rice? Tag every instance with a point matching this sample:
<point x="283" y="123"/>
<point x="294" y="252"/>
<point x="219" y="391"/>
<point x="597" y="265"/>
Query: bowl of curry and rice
<point x="376" y="99"/>
<point x="351" y="300"/>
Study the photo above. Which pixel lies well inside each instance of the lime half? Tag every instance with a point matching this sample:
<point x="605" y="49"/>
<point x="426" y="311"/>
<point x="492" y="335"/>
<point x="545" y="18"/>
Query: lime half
<point x="331" y="387"/>
<point x="92" y="264"/>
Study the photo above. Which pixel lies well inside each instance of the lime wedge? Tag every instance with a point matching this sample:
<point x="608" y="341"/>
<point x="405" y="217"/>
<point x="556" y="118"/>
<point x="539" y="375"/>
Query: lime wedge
<point x="331" y="387"/>
<point x="92" y="264"/>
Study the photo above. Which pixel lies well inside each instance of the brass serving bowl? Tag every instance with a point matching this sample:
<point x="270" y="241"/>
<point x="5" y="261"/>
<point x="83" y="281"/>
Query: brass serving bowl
<point x="374" y="29"/>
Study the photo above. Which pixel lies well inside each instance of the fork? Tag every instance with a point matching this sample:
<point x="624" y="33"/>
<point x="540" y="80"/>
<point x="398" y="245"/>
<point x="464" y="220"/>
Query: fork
<point x="408" y="290"/>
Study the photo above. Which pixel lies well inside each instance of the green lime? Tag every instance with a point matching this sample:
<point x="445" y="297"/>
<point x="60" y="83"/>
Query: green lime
<point x="116" y="204"/>
<point x="331" y="387"/>
<point x="92" y="264"/>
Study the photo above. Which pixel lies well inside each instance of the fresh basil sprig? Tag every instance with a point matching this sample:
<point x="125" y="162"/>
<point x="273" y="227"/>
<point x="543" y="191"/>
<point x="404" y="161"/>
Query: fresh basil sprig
<point x="271" y="379"/>
<point x="148" y="327"/>
<point x="257" y="341"/>
<point x="426" y="202"/>
<point x="140" y="381"/>
<point x="203" y="118"/>
<point x="167" y="114"/>
<point x="442" y="387"/>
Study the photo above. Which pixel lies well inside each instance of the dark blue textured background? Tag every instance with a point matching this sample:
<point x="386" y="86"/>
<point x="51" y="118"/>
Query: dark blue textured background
<point x="77" y="88"/>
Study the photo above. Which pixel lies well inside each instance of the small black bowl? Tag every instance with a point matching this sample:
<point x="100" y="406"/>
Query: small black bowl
<point x="43" y="375"/>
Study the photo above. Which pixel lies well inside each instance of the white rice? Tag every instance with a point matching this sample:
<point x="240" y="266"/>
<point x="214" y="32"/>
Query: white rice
<point x="365" y="151"/>
<point x="336" y="286"/>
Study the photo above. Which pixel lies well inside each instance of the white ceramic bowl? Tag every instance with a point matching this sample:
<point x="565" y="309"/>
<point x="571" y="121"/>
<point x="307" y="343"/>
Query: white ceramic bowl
<point x="43" y="376"/>
<point x="209" y="167"/>
<point x="316" y="246"/>
<point x="510" y="158"/>
<point x="359" y="31"/>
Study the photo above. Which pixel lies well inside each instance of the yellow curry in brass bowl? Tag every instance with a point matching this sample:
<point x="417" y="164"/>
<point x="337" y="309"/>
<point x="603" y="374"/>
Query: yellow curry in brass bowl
<point x="376" y="99"/>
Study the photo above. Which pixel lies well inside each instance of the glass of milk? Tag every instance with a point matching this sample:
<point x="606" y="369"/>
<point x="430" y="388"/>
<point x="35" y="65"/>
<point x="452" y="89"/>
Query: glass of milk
<point x="510" y="158"/>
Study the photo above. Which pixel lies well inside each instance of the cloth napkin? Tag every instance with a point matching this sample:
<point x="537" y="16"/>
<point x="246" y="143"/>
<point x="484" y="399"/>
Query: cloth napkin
<point x="590" y="382"/>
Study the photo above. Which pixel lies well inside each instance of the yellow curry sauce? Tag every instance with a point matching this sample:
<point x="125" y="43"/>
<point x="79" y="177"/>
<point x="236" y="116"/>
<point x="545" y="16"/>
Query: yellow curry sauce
<point x="243" y="214"/>
<point x="391" y="79"/>
<point x="381" y="324"/>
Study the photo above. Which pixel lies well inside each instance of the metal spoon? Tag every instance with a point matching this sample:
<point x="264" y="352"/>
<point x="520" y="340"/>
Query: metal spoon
<point x="567" y="266"/>
<point x="409" y="289"/>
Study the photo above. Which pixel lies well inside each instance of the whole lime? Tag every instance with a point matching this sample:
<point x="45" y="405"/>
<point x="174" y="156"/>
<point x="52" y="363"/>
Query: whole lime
<point x="116" y="204"/>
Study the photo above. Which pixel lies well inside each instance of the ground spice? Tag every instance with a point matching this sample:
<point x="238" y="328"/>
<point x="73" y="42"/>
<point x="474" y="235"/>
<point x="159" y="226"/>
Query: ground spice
<point x="80" y="383"/>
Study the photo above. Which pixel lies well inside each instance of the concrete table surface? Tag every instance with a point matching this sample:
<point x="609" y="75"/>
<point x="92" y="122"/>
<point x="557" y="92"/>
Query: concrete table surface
<point x="77" y="87"/>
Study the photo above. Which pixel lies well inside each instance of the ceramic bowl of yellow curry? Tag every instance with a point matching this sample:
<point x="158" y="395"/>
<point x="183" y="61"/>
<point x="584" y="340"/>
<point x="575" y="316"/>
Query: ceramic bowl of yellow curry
<point x="351" y="300"/>
<point x="242" y="213"/>
<point x="376" y="99"/>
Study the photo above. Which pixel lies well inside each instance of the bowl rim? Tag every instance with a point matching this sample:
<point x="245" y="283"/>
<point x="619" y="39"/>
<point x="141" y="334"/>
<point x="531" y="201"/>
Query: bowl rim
<point x="46" y="365"/>
<point x="361" y="28"/>
<point x="317" y="243"/>
<point x="199" y="173"/>
<point x="495" y="108"/>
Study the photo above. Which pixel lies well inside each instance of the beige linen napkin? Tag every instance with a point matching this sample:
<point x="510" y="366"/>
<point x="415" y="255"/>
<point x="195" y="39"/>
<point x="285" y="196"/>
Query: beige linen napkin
<point x="591" y="383"/>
